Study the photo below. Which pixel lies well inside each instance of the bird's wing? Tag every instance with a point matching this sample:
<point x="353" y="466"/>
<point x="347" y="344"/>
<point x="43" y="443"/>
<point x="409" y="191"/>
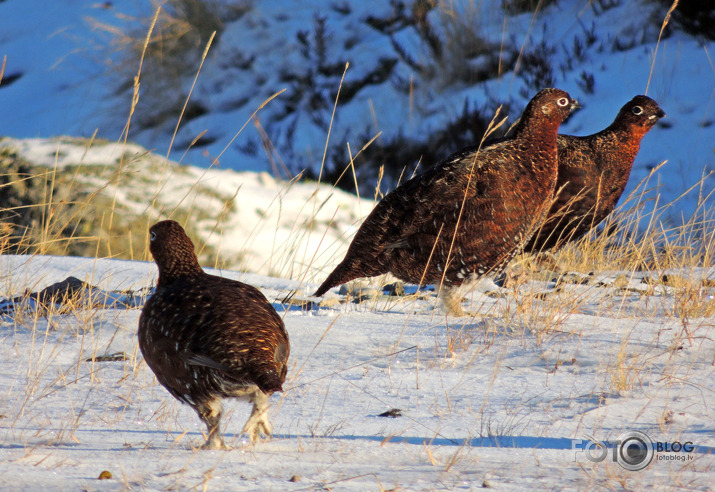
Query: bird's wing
<point x="437" y="199"/>
<point x="204" y="361"/>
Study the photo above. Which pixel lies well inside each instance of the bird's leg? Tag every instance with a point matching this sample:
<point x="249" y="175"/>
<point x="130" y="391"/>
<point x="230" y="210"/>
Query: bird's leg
<point x="210" y="414"/>
<point x="258" y="423"/>
<point x="547" y="260"/>
<point x="451" y="298"/>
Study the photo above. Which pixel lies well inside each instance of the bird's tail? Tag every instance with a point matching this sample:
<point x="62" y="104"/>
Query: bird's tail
<point x="269" y="380"/>
<point x="336" y="277"/>
<point x="346" y="272"/>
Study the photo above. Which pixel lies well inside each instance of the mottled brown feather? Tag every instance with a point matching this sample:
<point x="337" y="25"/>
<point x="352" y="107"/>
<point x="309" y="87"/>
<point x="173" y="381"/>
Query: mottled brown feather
<point x="593" y="172"/>
<point x="207" y="337"/>
<point x="505" y="188"/>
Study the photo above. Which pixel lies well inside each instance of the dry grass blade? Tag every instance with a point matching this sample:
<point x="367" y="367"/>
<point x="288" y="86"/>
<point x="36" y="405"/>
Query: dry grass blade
<point x="657" y="44"/>
<point x="188" y="97"/>
<point x="330" y="127"/>
<point x="2" y="68"/>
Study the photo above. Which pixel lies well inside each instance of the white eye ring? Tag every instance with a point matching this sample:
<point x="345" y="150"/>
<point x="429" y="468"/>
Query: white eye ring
<point x="152" y="236"/>
<point x="564" y="101"/>
<point x="637" y="110"/>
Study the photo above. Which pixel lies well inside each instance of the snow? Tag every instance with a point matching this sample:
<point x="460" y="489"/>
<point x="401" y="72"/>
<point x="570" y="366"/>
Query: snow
<point x="70" y="81"/>
<point x="497" y="399"/>
<point x="267" y="226"/>
<point x="501" y="400"/>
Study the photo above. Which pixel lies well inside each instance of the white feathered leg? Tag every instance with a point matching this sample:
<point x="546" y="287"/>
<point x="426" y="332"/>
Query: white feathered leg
<point x="258" y="423"/>
<point x="452" y="297"/>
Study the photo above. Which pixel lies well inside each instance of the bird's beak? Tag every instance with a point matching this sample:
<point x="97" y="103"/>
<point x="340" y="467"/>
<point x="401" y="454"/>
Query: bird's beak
<point x="660" y="114"/>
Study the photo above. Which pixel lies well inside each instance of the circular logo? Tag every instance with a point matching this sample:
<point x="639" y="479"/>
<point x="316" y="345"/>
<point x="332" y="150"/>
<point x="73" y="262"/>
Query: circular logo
<point x="635" y="450"/>
<point x="596" y="451"/>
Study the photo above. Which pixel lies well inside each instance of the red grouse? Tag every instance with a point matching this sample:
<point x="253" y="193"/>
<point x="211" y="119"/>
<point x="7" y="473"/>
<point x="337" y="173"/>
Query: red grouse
<point x="593" y="172"/>
<point x="207" y="337"/>
<point x="466" y="216"/>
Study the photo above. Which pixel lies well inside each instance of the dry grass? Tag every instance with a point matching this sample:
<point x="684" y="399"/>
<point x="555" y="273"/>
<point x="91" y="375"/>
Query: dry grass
<point x="178" y="32"/>
<point x="636" y="244"/>
<point x="625" y="247"/>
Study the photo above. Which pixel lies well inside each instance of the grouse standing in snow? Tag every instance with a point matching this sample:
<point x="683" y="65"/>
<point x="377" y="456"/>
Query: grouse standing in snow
<point x="466" y="216"/>
<point x="593" y="172"/>
<point x="207" y="337"/>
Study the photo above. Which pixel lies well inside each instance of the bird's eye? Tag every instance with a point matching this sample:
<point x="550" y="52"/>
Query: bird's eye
<point x="637" y="110"/>
<point x="152" y="236"/>
<point x="564" y="101"/>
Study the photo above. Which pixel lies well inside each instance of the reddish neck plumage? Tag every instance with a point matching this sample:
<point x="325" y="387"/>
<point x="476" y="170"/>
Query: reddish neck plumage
<point x="543" y="128"/>
<point x="542" y="135"/>
<point x="626" y="143"/>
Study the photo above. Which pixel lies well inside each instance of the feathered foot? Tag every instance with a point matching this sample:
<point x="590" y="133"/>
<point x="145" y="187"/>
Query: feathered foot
<point x="258" y="423"/>
<point x="451" y="298"/>
<point x="210" y="414"/>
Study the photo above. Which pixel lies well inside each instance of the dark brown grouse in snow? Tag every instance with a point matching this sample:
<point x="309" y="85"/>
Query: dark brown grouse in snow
<point x="593" y="172"/>
<point x="207" y="337"/>
<point x="466" y="216"/>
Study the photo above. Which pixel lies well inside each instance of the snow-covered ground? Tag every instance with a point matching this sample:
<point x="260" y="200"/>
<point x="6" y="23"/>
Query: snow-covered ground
<point x="252" y="221"/>
<point x="499" y="400"/>
<point x="533" y="373"/>
<point x="63" y="77"/>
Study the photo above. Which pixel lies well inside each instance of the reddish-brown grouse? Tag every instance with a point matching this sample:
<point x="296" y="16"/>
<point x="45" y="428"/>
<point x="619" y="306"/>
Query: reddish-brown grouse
<point x="207" y="337"/>
<point x="494" y="197"/>
<point x="593" y="172"/>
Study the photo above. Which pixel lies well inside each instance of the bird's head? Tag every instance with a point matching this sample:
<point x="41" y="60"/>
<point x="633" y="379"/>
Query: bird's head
<point x="553" y="103"/>
<point x="173" y="251"/>
<point x="640" y="113"/>
<point x="545" y="112"/>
